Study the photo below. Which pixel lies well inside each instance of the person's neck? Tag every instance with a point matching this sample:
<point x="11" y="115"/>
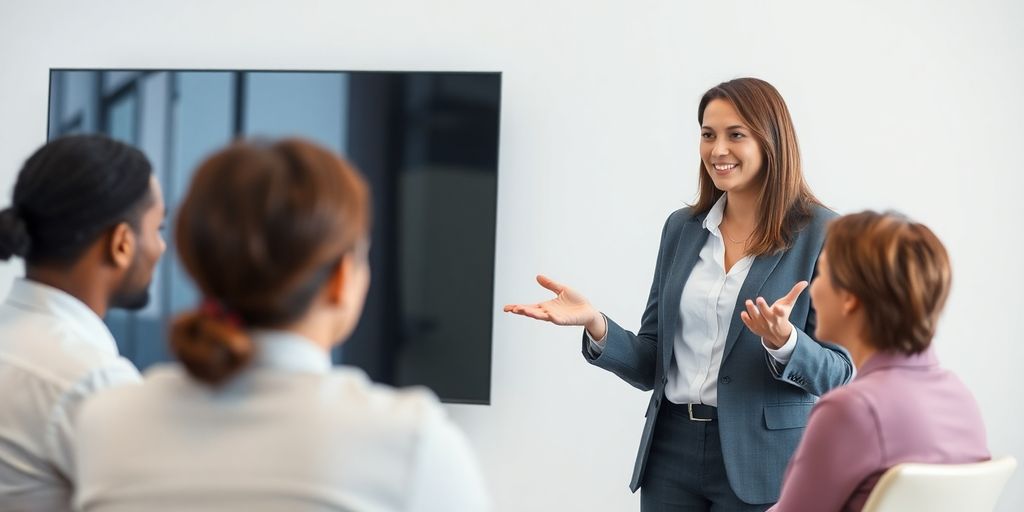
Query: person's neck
<point x="860" y="352"/>
<point x="78" y="283"/>
<point x="740" y="211"/>
<point x="315" y="330"/>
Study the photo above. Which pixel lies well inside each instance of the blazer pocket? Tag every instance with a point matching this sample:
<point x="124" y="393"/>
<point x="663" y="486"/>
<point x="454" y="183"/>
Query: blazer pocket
<point x="783" y="416"/>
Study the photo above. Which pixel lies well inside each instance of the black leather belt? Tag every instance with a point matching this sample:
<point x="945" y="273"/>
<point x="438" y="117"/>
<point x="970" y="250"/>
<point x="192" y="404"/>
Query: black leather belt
<point x="694" y="412"/>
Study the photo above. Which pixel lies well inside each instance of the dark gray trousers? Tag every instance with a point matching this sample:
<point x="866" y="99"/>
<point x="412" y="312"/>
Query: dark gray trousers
<point x="685" y="471"/>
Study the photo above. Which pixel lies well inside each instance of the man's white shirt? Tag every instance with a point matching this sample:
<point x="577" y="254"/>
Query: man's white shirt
<point x="54" y="353"/>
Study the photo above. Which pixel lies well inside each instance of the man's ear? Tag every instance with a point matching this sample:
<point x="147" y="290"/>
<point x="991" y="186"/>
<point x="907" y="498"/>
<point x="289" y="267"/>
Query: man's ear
<point x="122" y="246"/>
<point x="337" y="280"/>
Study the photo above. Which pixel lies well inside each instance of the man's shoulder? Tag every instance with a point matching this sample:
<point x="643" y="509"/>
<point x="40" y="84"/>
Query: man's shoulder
<point x="48" y="350"/>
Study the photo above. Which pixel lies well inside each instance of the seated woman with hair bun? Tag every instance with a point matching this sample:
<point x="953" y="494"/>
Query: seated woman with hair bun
<point x="255" y="418"/>
<point x="882" y="282"/>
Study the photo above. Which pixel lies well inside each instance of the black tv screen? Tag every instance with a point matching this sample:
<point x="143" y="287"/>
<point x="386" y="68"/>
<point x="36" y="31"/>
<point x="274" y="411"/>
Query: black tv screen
<point x="427" y="142"/>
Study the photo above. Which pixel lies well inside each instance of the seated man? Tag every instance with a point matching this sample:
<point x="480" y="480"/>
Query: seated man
<point x="85" y="216"/>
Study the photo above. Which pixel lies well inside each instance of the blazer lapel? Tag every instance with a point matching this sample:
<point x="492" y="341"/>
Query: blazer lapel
<point x="691" y="240"/>
<point x="759" y="272"/>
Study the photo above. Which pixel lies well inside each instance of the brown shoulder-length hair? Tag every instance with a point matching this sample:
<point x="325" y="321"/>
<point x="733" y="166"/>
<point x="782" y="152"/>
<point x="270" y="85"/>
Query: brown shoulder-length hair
<point x="260" y="231"/>
<point x="898" y="269"/>
<point x="785" y="202"/>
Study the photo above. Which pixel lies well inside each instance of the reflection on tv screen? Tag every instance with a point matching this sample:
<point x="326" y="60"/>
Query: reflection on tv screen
<point x="426" y="142"/>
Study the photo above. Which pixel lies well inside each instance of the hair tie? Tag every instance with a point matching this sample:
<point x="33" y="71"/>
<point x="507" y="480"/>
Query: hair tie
<point x="215" y="309"/>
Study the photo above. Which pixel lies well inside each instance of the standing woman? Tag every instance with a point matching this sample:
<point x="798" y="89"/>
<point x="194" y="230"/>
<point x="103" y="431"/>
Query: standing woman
<point x="734" y="376"/>
<point x="255" y="419"/>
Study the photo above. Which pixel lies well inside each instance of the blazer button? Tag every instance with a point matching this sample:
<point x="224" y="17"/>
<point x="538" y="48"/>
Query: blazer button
<point x="726" y="379"/>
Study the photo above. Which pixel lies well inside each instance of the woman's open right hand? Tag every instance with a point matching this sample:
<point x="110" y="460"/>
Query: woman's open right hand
<point x="568" y="307"/>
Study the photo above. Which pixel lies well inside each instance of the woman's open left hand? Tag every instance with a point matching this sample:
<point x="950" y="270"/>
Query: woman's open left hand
<point x="771" y="323"/>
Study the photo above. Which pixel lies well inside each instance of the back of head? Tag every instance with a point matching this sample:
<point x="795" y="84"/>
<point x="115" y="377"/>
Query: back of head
<point x="899" y="271"/>
<point x="260" y="231"/>
<point x="68" y="193"/>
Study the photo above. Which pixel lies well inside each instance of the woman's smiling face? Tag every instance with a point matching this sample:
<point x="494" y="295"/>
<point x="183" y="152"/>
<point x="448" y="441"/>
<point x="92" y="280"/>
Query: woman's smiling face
<point x="728" y="148"/>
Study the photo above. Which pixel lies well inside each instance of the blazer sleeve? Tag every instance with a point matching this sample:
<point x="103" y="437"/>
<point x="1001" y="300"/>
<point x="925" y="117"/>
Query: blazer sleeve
<point x="634" y="357"/>
<point x="840" y="448"/>
<point x="814" y="366"/>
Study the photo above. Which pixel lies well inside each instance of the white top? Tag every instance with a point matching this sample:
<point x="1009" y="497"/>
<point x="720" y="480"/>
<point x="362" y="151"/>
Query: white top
<point x="288" y="433"/>
<point x="706" y="313"/>
<point x="54" y="352"/>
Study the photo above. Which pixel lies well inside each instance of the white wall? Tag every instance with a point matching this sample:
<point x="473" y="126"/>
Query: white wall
<point x="912" y="105"/>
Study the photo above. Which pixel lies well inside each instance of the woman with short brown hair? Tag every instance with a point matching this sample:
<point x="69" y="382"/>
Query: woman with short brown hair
<point x="901" y="272"/>
<point x="882" y="283"/>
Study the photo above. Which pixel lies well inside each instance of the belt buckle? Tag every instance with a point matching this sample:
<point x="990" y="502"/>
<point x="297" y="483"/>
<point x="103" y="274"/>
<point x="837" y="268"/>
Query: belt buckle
<point x="689" y="408"/>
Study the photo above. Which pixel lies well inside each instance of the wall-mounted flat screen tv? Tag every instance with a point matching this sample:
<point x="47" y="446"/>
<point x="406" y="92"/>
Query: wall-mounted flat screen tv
<point x="427" y="142"/>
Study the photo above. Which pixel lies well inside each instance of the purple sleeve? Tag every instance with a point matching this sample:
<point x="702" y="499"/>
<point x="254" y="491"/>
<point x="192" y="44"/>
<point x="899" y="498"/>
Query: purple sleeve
<point x="840" y="448"/>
